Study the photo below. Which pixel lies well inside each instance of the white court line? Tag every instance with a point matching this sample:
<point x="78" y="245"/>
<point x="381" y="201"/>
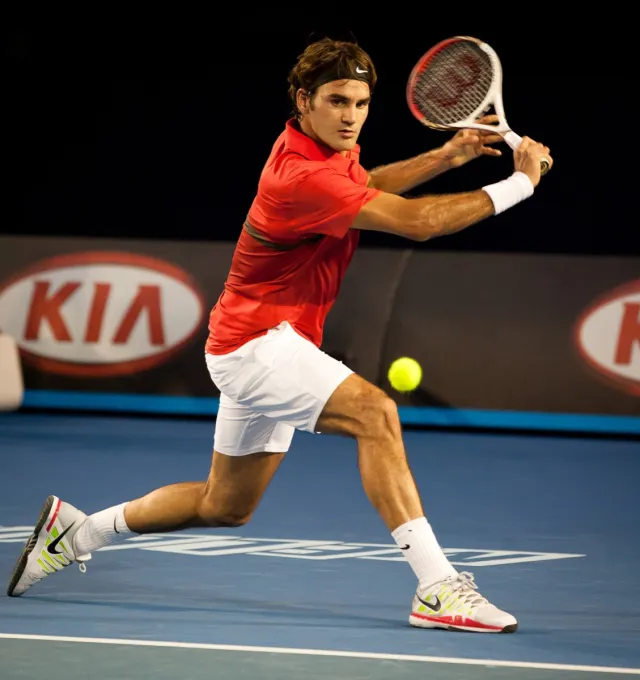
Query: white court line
<point x="326" y="652"/>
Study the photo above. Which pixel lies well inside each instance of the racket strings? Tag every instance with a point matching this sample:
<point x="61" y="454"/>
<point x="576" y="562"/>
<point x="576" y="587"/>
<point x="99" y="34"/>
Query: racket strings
<point x="453" y="84"/>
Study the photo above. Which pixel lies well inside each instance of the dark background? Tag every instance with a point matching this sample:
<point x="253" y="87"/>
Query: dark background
<point x="159" y="128"/>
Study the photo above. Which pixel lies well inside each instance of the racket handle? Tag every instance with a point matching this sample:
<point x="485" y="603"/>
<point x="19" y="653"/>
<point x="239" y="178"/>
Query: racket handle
<point x="514" y="141"/>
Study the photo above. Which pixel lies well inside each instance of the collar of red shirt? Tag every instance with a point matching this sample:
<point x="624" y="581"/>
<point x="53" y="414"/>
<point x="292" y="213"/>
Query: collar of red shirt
<point x="297" y="141"/>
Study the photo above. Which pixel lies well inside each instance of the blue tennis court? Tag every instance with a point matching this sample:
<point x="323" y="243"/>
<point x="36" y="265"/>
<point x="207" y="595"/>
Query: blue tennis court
<point x="314" y="586"/>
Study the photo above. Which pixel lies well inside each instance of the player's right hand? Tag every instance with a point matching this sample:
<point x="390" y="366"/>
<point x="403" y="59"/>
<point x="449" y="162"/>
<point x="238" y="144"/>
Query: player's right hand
<point x="527" y="158"/>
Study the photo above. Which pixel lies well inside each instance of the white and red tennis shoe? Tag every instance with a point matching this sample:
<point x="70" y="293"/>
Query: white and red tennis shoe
<point x="49" y="549"/>
<point x="455" y="604"/>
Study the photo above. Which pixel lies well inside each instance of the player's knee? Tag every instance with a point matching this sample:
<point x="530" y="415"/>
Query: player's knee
<point x="220" y="515"/>
<point x="231" y="519"/>
<point x="378" y="414"/>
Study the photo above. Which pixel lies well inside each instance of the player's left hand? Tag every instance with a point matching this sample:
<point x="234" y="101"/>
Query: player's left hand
<point x="466" y="145"/>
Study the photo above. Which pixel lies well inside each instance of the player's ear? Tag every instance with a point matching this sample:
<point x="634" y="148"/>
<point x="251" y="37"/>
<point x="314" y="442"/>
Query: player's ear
<point x="302" y="100"/>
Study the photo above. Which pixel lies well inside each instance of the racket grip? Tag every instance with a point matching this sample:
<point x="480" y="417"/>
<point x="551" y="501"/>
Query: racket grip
<point x="514" y="140"/>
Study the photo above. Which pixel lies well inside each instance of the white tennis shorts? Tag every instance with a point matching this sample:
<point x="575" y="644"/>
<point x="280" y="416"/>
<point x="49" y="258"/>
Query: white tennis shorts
<point x="270" y="387"/>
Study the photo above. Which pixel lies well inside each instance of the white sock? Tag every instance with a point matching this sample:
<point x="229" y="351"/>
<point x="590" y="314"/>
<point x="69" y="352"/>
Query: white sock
<point x="420" y="546"/>
<point x="100" y="529"/>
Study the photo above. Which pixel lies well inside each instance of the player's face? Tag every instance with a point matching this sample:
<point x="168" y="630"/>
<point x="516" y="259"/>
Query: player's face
<point x="337" y="113"/>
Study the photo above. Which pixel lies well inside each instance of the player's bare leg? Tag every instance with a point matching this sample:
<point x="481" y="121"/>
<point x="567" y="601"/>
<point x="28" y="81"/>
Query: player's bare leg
<point x="364" y="412"/>
<point x="227" y="499"/>
<point x="444" y="598"/>
<point x="63" y="534"/>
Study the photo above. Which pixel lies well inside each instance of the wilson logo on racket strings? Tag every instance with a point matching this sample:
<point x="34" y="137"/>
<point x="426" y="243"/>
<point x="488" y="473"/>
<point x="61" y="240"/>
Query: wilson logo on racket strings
<point x="457" y="77"/>
<point x="608" y="336"/>
<point x="100" y="313"/>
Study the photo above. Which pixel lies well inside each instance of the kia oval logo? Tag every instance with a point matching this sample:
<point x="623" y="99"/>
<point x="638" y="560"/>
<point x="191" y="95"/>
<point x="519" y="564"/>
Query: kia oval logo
<point x="608" y="336"/>
<point x="100" y="313"/>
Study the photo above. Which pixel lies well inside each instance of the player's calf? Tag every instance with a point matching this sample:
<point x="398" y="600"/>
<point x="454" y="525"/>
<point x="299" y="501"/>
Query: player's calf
<point x="362" y="410"/>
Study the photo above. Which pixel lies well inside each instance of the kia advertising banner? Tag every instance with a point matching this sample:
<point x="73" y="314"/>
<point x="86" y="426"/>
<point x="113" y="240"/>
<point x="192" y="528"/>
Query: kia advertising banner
<point x="520" y="334"/>
<point x="122" y="318"/>
<point x="504" y="340"/>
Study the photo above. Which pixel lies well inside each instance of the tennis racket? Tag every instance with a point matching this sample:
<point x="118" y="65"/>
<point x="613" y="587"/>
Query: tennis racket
<point x="455" y="83"/>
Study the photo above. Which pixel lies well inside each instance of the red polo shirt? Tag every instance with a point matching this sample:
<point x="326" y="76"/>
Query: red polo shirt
<point x="295" y="245"/>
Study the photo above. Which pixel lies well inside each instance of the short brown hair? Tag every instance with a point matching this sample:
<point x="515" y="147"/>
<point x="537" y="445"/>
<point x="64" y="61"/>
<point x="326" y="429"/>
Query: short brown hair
<point x="326" y="60"/>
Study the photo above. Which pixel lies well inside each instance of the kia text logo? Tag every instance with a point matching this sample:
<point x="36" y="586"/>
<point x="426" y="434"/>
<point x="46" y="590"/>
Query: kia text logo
<point x="100" y="313"/>
<point x="608" y="336"/>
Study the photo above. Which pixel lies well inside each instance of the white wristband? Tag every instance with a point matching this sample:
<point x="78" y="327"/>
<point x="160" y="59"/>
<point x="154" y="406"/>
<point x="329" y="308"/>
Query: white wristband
<point x="510" y="191"/>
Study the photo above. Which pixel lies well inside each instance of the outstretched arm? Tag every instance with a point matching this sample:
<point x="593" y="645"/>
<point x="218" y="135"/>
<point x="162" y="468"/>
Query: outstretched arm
<point x="464" y="146"/>
<point x="427" y="217"/>
<point x="399" y="177"/>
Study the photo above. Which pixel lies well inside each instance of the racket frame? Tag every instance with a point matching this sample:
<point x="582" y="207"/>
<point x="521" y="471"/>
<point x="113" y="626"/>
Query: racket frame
<point x="492" y="98"/>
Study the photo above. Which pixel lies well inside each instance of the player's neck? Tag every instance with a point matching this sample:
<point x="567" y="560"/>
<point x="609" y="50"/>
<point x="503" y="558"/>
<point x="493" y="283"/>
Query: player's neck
<point x="306" y="127"/>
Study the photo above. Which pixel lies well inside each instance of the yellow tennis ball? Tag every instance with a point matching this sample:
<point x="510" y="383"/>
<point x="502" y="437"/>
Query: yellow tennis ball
<point x="405" y="374"/>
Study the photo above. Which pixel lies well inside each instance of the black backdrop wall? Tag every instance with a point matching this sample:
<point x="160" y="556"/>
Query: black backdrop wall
<point x="160" y="128"/>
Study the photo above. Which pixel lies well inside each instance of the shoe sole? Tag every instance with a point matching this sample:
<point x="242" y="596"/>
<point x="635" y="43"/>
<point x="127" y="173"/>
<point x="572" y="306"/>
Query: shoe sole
<point x="29" y="546"/>
<point x="511" y="628"/>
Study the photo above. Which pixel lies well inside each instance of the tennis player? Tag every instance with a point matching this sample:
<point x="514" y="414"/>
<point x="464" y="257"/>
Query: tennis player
<point x="263" y="350"/>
